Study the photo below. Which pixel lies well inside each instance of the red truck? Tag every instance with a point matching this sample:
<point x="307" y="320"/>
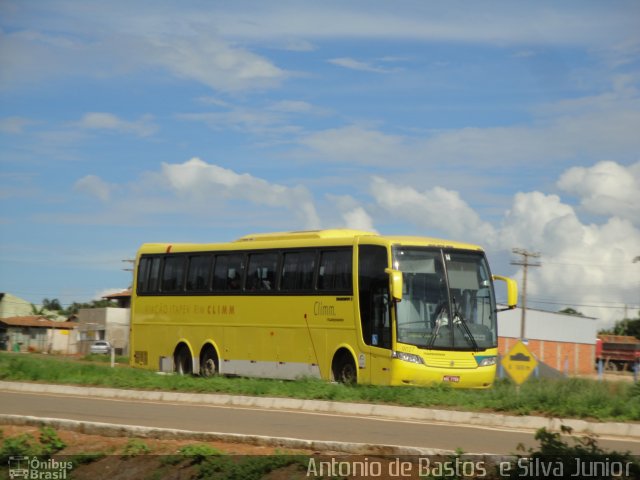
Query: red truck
<point x="618" y="352"/>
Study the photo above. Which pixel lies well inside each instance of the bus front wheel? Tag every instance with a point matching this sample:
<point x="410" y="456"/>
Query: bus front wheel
<point x="344" y="369"/>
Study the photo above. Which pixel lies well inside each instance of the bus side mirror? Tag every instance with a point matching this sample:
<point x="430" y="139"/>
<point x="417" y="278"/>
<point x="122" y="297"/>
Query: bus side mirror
<point x="512" y="290"/>
<point x="395" y="279"/>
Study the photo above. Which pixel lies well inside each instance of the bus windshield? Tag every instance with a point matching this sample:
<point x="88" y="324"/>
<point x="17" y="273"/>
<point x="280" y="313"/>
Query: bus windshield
<point x="447" y="300"/>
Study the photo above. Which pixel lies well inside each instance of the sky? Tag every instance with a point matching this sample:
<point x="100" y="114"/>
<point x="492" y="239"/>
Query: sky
<point x="504" y="124"/>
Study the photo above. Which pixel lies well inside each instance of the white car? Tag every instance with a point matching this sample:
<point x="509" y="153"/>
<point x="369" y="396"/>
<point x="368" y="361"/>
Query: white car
<point x="100" y="346"/>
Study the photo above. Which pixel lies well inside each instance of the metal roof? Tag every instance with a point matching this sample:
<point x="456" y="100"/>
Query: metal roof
<point x="552" y="326"/>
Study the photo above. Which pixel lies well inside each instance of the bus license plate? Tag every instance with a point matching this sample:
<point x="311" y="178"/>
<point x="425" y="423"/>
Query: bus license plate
<point x="451" y="378"/>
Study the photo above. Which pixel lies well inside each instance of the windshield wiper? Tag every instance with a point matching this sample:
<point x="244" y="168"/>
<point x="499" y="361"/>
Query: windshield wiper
<point x="440" y="320"/>
<point x="459" y="320"/>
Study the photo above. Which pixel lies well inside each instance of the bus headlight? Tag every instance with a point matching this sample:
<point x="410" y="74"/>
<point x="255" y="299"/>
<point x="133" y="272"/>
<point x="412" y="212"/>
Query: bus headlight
<point x="407" y="357"/>
<point x="486" y="361"/>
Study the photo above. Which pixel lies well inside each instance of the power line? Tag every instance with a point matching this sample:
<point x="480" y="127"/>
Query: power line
<point x="615" y="266"/>
<point x="569" y="304"/>
<point x="579" y="300"/>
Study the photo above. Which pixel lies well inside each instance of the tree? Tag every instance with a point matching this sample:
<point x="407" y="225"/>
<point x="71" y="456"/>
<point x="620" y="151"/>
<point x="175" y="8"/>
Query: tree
<point x="571" y="311"/>
<point x="42" y="312"/>
<point x="626" y="326"/>
<point x="75" y="306"/>
<point x="53" y="304"/>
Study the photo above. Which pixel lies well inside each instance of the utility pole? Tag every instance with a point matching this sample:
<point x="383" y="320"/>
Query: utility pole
<point x="132" y="262"/>
<point x="525" y="263"/>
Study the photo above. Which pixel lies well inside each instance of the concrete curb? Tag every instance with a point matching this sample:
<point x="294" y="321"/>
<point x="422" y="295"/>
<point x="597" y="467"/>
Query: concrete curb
<point x="492" y="420"/>
<point x="115" y="430"/>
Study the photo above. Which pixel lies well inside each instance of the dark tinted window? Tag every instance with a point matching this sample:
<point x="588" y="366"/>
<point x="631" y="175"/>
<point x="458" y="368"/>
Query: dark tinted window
<point x="154" y="275"/>
<point x="173" y="273"/>
<point x="199" y="273"/>
<point x="297" y="271"/>
<point x="143" y="274"/>
<point x="374" y="296"/>
<point x="261" y="273"/>
<point x="334" y="273"/>
<point x="227" y="274"/>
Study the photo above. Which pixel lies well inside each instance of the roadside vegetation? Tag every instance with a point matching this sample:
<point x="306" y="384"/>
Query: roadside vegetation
<point x="66" y="454"/>
<point x="101" y="358"/>
<point x="565" y="398"/>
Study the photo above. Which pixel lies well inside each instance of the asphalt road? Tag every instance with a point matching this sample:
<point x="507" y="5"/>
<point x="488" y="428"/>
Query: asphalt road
<point x="277" y="423"/>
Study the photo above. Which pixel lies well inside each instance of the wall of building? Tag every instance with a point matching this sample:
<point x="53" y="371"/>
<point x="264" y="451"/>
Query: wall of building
<point x="564" y="342"/>
<point x="12" y="306"/>
<point x="110" y="324"/>
<point x="568" y="358"/>
<point x="50" y="340"/>
<point x="63" y="341"/>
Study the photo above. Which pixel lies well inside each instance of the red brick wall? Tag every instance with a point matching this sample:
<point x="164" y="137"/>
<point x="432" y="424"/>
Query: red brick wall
<point x="570" y="358"/>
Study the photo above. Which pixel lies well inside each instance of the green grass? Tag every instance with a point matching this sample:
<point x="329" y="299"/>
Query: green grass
<point x="567" y="398"/>
<point x="102" y="358"/>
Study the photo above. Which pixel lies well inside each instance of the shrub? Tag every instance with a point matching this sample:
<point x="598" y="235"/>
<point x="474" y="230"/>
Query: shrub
<point x="135" y="447"/>
<point x="50" y="441"/>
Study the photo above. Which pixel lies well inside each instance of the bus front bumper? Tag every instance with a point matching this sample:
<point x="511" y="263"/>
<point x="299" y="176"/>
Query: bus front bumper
<point x="407" y="373"/>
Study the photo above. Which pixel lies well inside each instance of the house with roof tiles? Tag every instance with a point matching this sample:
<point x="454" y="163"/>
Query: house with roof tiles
<point x="36" y="333"/>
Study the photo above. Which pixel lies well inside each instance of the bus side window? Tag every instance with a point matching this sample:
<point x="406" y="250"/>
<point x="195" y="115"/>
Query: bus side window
<point x="154" y="275"/>
<point x="297" y="271"/>
<point x="261" y="272"/>
<point x="198" y="273"/>
<point x="143" y="275"/>
<point x="227" y="274"/>
<point x="334" y="272"/>
<point x="173" y="274"/>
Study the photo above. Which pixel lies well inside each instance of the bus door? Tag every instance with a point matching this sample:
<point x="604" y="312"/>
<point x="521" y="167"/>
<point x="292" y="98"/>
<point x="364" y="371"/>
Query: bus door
<point x="375" y="311"/>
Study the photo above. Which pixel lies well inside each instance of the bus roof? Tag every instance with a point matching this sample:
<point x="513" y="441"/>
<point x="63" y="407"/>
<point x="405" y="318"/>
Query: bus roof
<point x="305" y="235"/>
<point x="306" y="238"/>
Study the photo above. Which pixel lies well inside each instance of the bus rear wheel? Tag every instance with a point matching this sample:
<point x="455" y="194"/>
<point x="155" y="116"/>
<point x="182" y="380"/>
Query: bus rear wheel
<point x="182" y="361"/>
<point x="208" y="363"/>
<point x="344" y="369"/>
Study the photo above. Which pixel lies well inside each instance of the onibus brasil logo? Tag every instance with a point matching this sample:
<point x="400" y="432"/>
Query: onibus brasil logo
<point x="34" y="468"/>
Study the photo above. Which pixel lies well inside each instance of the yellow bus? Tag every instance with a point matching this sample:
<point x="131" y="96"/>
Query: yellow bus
<point x="341" y="305"/>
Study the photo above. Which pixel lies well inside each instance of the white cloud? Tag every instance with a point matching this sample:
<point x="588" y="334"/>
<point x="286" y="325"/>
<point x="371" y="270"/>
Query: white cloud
<point x="594" y="26"/>
<point x="298" y="45"/>
<point x="359" y="65"/>
<point x="607" y="188"/>
<point x="254" y="121"/>
<point x="107" y="121"/>
<point x="532" y="217"/>
<point x="355" y="144"/>
<point x="587" y="266"/>
<point x="587" y="129"/>
<point x="294" y="106"/>
<point x="94" y="186"/>
<point x="592" y="134"/>
<point x="276" y="119"/>
<point x="352" y="213"/>
<point x="14" y="125"/>
<point x="202" y="182"/>
<point x="178" y="44"/>
<point x="358" y="219"/>
<point x="211" y="61"/>
<point x="435" y="209"/>
<point x="196" y="42"/>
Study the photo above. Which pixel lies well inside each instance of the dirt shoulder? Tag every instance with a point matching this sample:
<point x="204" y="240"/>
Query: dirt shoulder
<point x="121" y="458"/>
